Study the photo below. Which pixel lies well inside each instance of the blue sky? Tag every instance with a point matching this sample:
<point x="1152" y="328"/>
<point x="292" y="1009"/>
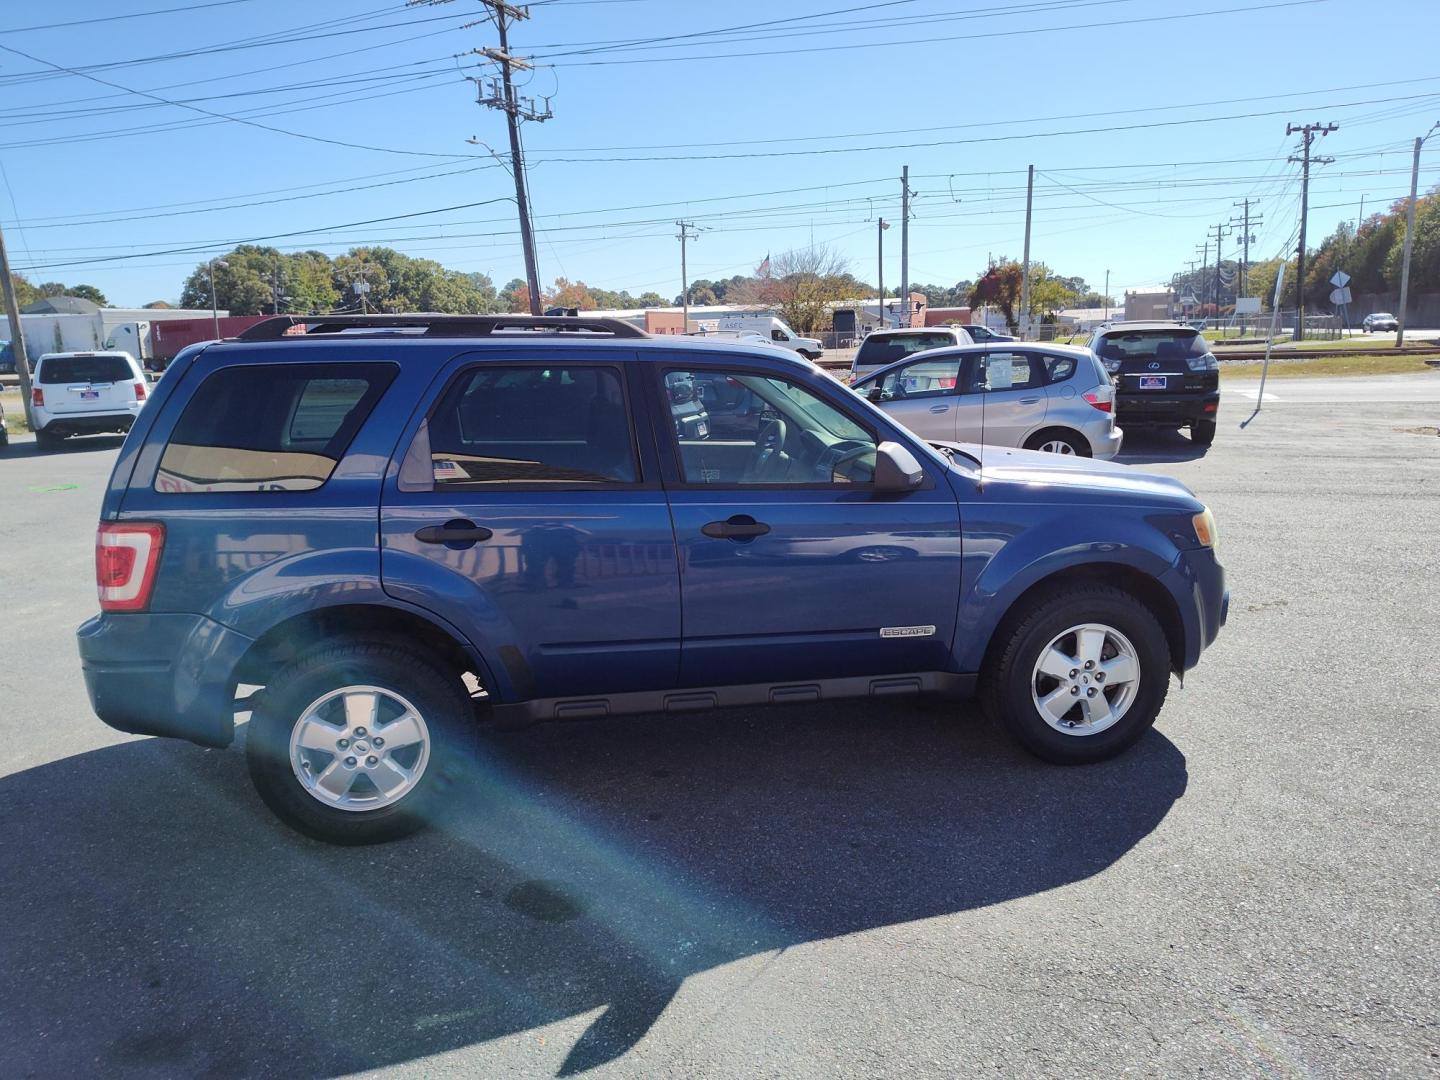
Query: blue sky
<point x="1140" y="119"/>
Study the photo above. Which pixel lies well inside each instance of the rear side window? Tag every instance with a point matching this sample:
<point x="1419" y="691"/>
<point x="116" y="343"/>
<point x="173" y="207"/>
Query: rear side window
<point x="86" y="369"/>
<point x="1058" y="368"/>
<point x="561" y="425"/>
<point x="269" y="427"/>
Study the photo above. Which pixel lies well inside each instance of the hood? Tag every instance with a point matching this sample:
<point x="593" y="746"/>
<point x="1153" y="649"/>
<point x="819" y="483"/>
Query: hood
<point x="1034" y="469"/>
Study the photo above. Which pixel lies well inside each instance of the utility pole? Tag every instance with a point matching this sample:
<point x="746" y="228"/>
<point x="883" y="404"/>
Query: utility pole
<point x="1410" y="236"/>
<point x="683" y="235"/>
<point x="880" y="235"/>
<point x="1308" y="133"/>
<point x="1025" y="265"/>
<point x="1204" y="266"/>
<point x="17" y="338"/>
<point x="502" y="96"/>
<point x="1246" y="238"/>
<point x="905" y="245"/>
<point x="1107" y="295"/>
<point x="1219" y="236"/>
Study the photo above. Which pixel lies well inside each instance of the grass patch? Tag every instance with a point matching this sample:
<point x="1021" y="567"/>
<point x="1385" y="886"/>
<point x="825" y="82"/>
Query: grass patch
<point x="1355" y="364"/>
<point x="14" y="412"/>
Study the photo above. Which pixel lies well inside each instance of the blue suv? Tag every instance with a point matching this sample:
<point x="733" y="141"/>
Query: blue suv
<point x="400" y="528"/>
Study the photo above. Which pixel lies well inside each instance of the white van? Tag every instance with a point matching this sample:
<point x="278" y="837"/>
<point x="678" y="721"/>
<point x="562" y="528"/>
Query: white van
<point x="769" y="327"/>
<point x="85" y="393"/>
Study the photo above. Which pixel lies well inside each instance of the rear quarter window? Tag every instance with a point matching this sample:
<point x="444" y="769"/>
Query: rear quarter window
<point x="881" y="351"/>
<point x="269" y="427"/>
<point x="89" y="369"/>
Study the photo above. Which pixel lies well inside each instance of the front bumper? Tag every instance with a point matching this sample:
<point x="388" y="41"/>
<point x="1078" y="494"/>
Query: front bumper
<point x="162" y="674"/>
<point x="1175" y="410"/>
<point x="1197" y="581"/>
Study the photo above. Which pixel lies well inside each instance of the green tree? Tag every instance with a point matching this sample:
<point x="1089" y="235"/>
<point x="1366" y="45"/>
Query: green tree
<point x="91" y="293"/>
<point x="25" y="293"/>
<point x="649" y="300"/>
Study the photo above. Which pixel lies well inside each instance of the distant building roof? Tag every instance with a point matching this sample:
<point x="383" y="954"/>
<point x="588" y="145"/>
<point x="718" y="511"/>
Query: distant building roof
<point x="61" y="305"/>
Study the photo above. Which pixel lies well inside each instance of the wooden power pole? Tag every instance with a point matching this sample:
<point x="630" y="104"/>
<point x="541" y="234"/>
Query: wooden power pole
<point x="17" y="338"/>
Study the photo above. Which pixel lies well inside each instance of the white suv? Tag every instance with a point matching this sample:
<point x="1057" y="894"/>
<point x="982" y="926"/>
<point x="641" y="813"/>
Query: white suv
<point x="85" y="393"/>
<point x="881" y="348"/>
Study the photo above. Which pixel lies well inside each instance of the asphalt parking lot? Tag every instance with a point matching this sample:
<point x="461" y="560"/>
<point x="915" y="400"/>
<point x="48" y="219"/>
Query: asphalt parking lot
<point x="863" y="890"/>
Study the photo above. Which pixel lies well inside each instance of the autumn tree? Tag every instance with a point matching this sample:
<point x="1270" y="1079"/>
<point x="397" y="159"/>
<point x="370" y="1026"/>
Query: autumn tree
<point x="1000" y="285"/>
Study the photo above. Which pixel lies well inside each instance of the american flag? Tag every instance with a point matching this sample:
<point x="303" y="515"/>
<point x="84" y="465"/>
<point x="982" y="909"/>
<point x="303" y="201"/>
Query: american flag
<point x="763" y="270"/>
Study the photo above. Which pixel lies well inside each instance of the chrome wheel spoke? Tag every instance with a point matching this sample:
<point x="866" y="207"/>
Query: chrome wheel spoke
<point x="335" y="780"/>
<point x="1097" y="711"/>
<point x="1057" y="703"/>
<point x="360" y="709"/>
<point x="1056" y="663"/>
<point x="1119" y="670"/>
<point x="389" y="777"/>
<point x="404" y="731"/>
<point x="315" y="734"/>
<point x="1089" y="643"/>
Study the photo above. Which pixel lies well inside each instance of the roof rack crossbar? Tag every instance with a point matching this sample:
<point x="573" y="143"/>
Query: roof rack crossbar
<point x="273" y="329"/>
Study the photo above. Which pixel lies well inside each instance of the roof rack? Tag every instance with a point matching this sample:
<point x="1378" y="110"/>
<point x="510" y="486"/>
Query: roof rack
<point x="447" y="326"/>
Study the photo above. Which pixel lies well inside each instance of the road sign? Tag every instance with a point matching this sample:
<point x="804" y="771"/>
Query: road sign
<point x="1340" y="296"/>
<point x="1340" y="280"/>
<point x="1247" y="305"/>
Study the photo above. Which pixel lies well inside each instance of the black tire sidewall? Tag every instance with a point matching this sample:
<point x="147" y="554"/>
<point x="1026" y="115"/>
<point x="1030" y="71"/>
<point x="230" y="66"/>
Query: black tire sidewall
<point x="440" y="700"/>
<point x="1202" y="432"/>
<point x="1077" y="442"/>
<point x="1012" y="689"/>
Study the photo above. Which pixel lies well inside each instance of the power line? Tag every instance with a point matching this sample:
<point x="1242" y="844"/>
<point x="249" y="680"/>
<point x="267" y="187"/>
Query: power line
<point x="118" y="18"/>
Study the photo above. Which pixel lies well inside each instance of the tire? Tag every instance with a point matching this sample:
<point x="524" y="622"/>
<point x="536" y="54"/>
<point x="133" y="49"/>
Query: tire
<point x="1013" y="685"/>
<point x="1052" y="439"/>
<point x="47" y="443"/>
<point x="305" y="699"/>
<point x="1202" y="432"/>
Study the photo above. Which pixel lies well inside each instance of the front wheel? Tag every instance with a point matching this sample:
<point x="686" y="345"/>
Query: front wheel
<point x="1081" y="676"/>
<point x="359" y="742"/>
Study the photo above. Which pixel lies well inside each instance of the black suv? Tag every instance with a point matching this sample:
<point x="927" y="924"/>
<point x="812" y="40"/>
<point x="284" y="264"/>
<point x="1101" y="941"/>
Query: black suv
<point x="1165" y="376"/>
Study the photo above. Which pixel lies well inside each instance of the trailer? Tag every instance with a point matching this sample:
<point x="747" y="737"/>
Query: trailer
<point x="168" y="337"/>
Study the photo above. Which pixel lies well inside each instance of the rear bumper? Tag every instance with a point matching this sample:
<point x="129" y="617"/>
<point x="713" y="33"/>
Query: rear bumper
<point x="88" y="423"/>
<point x="162" y="674"/>
<point x="1108" y="444"/>
<point x="1176" y="410"/>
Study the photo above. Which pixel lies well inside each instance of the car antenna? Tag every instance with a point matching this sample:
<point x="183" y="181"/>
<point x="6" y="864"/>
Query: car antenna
<point x="980" y="369"/>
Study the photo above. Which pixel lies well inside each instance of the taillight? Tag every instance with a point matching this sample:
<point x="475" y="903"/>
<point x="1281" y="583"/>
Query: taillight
<point x="37" y="396"/>
<point x="1103" y="404"/>
<point x="139" y="391"/>
<point x="126" y="555"/>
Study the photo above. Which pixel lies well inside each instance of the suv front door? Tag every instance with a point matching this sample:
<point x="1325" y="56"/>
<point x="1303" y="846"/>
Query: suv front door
<point x="526" y="513"/>
<point x="792" y="566"/>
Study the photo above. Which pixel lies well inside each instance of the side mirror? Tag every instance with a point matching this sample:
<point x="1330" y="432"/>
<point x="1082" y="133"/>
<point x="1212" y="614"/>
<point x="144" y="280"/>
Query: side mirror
<point x="896" y="468"/>
<point x="875" y="394"/>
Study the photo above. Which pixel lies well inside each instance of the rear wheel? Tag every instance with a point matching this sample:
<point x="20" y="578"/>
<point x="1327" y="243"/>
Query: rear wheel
<point x="46" y="442"/>
<point x="1081" y="676"/>
<point x="359" y="742"/>
<point x="1202" y="432"/>
<point x="1059" y="441"/>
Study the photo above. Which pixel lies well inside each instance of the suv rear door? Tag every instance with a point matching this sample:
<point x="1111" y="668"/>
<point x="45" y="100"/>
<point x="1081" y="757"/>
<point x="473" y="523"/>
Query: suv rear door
<point x="527" y="514"/>
<point x="88" y="383"/>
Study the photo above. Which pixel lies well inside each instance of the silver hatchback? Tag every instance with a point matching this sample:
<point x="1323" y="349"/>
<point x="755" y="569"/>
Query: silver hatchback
<point x="1039" y="397"/>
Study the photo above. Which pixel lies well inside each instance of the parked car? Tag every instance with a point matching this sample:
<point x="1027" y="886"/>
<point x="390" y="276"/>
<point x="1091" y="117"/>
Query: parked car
<point x="1052" y="397"/>
<point x="1165" y="376"/>
<point x="85" y="393"/>
<point x="1380" y="320"/>
<point x="401" y="526"/>
<point x="983" y="335"/>
<point x="881" y="348"/>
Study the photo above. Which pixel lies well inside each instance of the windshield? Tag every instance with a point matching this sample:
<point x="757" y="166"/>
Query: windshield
<point x="878" y="351"/>
<point x="1382" y="315"/>
<point x="92" y="369"/>
<point x="1147" y="344"/>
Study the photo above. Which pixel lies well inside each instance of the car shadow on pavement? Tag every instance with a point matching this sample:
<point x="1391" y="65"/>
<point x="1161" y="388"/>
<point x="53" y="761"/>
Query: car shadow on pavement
<point x="84" y="444"/>
<point x="1145" y="447"/>
<point x="156" y="919"/>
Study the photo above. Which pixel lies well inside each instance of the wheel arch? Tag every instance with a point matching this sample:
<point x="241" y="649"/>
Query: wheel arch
<point x="1040" y="432"/>
<point x="287" y="639"/>
<point x="1142" y="586"/>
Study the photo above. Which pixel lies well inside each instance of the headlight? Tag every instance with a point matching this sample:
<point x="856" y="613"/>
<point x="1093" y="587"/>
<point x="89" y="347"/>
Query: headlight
<point x="1203" y="363"/>
<point x="1205" y="531"/>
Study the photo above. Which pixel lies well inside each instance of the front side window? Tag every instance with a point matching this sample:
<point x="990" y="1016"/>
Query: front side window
<point x="561" y="425"/>
<point x="1000" y="371"/>
<point x="269" y="427"/>
<point x="922" y="379"/>
<point x="740" y="429"/>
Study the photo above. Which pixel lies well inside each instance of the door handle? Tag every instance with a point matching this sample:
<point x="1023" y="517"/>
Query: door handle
<point x="458" y="531"/>
<point x="1029" y="401"/>
<point x="939" y="408"/>
<point x="738" y="527"/>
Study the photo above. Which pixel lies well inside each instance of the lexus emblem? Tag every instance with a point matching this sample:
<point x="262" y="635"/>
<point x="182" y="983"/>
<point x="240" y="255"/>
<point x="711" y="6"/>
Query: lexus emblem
<point x="1154" y="365"/>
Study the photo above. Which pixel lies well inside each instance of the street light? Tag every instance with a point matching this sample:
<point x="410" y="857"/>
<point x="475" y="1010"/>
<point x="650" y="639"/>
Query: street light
<point x="1410" y="235"/>
<point x="214" y="313"/>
